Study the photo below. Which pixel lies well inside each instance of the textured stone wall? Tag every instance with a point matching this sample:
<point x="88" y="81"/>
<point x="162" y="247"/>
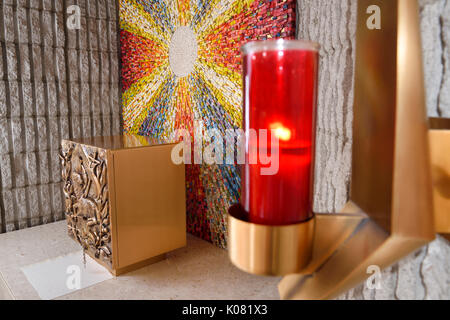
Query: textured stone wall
<point x="426" y="273"/>
<point x="54" y="83"/>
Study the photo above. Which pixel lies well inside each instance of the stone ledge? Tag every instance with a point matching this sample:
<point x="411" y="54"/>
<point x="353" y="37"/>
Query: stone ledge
<point x="198" y="271"/>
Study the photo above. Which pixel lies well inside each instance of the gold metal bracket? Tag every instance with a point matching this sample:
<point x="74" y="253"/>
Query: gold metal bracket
<point x="440" y="170"/>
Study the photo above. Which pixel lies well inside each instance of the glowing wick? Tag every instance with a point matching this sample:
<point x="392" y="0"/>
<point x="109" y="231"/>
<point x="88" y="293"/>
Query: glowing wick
<point x="281" y="132"/>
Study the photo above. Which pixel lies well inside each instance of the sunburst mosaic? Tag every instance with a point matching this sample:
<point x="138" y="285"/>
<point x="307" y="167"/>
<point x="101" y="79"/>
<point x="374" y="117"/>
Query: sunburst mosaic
<point x="181" y="62"/>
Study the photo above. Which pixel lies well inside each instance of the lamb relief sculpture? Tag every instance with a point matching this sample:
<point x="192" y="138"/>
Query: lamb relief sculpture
<point x="84" y="172"/>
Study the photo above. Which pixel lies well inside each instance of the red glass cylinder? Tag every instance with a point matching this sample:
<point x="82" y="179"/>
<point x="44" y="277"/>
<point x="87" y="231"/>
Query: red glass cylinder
<point x="280" y="89"/>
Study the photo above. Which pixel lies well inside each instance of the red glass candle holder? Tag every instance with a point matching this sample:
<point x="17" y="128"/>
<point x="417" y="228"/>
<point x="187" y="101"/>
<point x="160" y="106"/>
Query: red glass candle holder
<point x="280" y="87"/>
<point x="271" y="231"/>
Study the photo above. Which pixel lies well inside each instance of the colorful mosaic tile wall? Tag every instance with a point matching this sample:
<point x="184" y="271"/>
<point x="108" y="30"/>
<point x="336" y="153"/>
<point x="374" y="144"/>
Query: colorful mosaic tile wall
<point x="181" y="63"/>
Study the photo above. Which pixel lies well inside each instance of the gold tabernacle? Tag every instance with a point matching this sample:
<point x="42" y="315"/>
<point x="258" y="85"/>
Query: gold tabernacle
<point x="125" y="199"/>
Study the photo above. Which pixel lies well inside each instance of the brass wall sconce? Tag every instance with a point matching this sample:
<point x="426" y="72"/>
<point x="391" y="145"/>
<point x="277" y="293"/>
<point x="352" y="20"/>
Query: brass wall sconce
<point x="390" y="212"/>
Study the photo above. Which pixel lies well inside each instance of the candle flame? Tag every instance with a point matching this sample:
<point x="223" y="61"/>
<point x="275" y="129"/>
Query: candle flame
<point x="281" y="132"/>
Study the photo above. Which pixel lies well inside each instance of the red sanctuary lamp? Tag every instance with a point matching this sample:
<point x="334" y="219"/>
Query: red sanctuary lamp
<point x="280" y="89"/>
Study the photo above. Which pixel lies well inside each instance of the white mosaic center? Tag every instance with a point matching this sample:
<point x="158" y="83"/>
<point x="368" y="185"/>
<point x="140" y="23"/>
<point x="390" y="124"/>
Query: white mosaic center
<point x="183" y="51"/>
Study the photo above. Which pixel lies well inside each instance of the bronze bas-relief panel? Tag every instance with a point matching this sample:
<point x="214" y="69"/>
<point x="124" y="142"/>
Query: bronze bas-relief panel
<point x="84" y="173"/>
